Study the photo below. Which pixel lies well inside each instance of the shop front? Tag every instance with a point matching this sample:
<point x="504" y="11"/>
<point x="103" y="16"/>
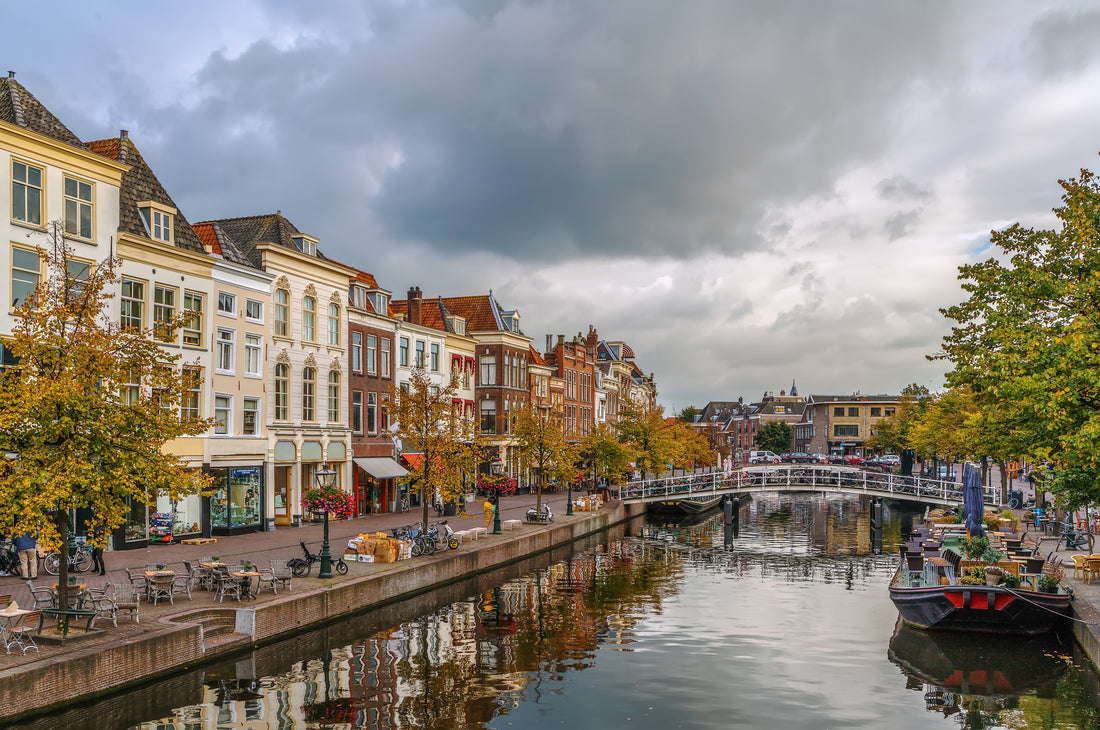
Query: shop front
<point x="375" y="490"/>
<point x="236" y="499"/>
<point x="163" y="523"/>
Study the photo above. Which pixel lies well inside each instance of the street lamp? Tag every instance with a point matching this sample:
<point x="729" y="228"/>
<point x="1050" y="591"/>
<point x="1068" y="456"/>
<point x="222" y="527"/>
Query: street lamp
<point x="325" y="477"/>
<point x="496" y="466"/>
<point x="569" y="498"/>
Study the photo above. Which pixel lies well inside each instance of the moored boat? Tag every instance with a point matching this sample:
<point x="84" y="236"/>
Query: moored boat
<point x="685" y="506"/>
<point x="981" y="608"/>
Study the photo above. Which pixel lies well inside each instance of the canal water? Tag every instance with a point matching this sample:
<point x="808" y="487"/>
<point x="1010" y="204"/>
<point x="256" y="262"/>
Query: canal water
<point x="786" y="625"/>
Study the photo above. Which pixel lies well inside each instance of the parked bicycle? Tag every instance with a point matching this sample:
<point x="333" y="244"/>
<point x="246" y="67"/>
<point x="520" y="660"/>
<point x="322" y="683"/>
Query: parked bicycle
<point x="80" y="558"/>
<point x="9" y="559"/>
<point x="448" y="536"/>
<point x="300" y="567"/>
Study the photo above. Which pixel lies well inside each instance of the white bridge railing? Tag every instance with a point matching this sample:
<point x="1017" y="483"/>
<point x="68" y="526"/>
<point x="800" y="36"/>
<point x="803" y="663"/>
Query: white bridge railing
<point x="795" y="477"/>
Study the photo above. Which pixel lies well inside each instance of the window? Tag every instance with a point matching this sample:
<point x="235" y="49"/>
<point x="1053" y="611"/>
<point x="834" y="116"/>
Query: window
<point x="385" y="367"/>
<point x="164" y="311"/>
<point x="508" y="375"/>
<point x="282" y="313"/>
<point x="372" y="413"/>
<point x="403" y="353"/>
<point x="26" y="268"/>
<point x="357" y="295"/>
<point x="357" y="352"/>
<point x="223" y="354"/>
<point x="282" y="391"/>
<point x="845" y="430"/>
<point x="223" y="406"/>
<point x="379" y="302"/>
<point x="384" y="413"/>
<point x="132" y="305"/>
<point x="309" y="391"/>
<point x="838" y="412"/>
<point x="250" y="416"/>
<point x="253" y="349"/>
<point x="78" y="207"/>
<point x="305" y="244"/>
<point x="26" y="193"/>
<point x="435" y="358"/>
<point x="889" y="412"/>
<point x="253" y="310"/>
<point x="488" y="416"/>
<point x="309" y="319"/>
<point x="334" y="324"/>
<point x="130" y="391"/>
<point x="191" y="406"/>
<point x="419" y="354"/>
<point x="876" y="411"/>
<point x="227" y="304"/>
<point x="357" y="411"/>
<point x="488" y="370"/>
<point x="853" y="412"/>
<point x="372" y="354"/>
<point x="161" y="228"/>
<point x="333" y="397"/>
<point x="192" y="329"/>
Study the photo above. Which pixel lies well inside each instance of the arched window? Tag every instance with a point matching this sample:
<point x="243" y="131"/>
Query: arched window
<point x="334" y="397"/>
<point x="309" y="319"/>
<point x="309" y="389"/>
<point x="334" y="323"/>
<point x="282" y="391"/>
<point x="282" y="313"/>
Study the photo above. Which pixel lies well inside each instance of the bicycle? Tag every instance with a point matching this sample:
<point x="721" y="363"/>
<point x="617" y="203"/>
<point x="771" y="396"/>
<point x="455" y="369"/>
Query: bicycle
<point x="9" y="560"/>
<point x="300" y="567"/>
<point x="80" y="558"/>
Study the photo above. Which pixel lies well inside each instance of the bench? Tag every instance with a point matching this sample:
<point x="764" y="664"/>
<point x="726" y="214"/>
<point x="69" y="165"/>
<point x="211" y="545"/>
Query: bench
<point x="512" y="524"/>
<point x="68" y="615"/>
<point x="477" y="532"/>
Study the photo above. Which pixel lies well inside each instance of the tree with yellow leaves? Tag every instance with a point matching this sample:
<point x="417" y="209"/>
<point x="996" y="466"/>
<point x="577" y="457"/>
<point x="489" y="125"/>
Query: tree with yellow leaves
<point x="541" y="439"/>
<point x="86" y="411"/>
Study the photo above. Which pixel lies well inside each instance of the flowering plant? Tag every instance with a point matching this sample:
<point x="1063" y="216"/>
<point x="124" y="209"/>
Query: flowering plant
<point x="494" y="484"/>
<point x="329" y="499"/>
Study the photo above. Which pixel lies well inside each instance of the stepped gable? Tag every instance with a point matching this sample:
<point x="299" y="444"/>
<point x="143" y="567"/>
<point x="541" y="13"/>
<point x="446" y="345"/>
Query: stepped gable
<point x="19" y="107"/>
<point x="139" y="184"/>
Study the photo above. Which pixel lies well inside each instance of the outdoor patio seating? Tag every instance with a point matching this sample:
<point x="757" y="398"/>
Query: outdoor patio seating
<point x="21" y="636"/>
<point x="227" y="585"/>
<point x="43" y="596"/>
<point x="161" y="587"/>
<point x="282" y="573"/>
<point x="104" y="606"/>
<point x="127" y="599"/>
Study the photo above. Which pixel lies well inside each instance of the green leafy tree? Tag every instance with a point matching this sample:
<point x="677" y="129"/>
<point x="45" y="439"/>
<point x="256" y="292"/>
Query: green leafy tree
<point x="689" y="414"/>
<point x="542" y="441"/>
<point x="775" y="436"/>
<point x="1027" y="340"/>
<point x="609" y="459"/>
<point x="87" y="411"/>
<point x="451" y="445"/>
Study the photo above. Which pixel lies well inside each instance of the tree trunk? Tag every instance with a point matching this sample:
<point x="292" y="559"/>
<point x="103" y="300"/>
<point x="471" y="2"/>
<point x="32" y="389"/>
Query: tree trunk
<point x="62" y="520"/>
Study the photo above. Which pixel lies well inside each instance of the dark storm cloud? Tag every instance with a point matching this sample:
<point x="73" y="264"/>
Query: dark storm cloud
<point x="900" y="188"/>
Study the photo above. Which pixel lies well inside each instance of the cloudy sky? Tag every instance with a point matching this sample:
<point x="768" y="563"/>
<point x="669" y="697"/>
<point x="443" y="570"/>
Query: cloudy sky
<point x="749" y="193"/>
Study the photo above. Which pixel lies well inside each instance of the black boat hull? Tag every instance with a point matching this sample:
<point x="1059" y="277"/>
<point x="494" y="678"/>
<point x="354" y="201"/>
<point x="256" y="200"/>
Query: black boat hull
<point x="985" y="609"/>
<point x="684" y="507"/>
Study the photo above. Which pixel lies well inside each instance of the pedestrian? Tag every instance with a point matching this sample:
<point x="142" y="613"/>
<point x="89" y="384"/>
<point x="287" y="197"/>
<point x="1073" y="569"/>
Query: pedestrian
<point x="27" y="547"/>
<point x="489" y="508"/>
<point x="97" y="550"/>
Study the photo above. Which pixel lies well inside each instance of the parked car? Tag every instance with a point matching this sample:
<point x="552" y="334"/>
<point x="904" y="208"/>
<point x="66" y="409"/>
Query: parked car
<point x="821" y="458"/>
<point x="891" y="459"/>
<point x="797" y="457"/>
<point x="763" y="457"/>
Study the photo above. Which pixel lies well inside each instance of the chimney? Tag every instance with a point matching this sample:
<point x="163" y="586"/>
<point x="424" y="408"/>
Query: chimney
<point x="414" y="305"/>
<point x="549" y="343"/>
<point x="123" y="134"/>
<point x="11" y="74"/>
<point x="561" y="340"/>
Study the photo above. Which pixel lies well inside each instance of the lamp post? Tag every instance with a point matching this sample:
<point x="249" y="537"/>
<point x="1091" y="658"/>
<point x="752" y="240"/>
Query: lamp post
<point x="569" y="498"/>
<point x="325" y="478"/>
<point x="496" y="466"/>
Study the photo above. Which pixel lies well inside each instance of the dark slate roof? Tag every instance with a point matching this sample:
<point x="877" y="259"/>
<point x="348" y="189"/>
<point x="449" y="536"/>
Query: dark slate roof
<point x="19" y="107"/>
<point x="243" y="234"/>
<point x="853" y="398"/>
<point x="139" y="184"/>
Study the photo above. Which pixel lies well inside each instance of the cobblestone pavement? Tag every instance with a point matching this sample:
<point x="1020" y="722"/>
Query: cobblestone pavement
<point x="260" y="548"/>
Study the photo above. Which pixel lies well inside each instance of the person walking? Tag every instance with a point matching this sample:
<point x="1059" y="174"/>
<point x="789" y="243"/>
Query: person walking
<point x="97" y="551"/>
<point x="27" y="547"/>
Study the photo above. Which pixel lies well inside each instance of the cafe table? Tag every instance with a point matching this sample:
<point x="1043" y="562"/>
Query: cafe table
<point x="76" y="594"/>
<point x="246" y="577"/>
<point x="159" y="589"/>
<point x="8" y="621"/>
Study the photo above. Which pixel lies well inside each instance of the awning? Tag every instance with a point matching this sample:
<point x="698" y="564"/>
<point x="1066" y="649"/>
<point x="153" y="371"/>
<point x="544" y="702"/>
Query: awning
<point x="380" y="467"/>
<point x="413" y="459"/>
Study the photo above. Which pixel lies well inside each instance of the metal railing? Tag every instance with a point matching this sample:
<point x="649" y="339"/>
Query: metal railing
<point x="800" y="477"/>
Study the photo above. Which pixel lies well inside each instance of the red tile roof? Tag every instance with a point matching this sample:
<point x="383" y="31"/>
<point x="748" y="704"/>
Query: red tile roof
<point x="476" y="310"/>
<point x="536" y="358"/>
<point x="206" y="234"/>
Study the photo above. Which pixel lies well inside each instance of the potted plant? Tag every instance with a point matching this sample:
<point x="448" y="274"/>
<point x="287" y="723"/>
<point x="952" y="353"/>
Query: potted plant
<point x="993" y="575"/>
<point x="216" y="558"/>
<point x="975" y="547"/>
<point x="974" y="576"/>
<point x="1051" y="577"/>
<point x="1010" y="580"/>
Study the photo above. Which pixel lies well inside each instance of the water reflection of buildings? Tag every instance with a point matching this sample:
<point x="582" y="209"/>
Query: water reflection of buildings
<point x="456" y="667"/>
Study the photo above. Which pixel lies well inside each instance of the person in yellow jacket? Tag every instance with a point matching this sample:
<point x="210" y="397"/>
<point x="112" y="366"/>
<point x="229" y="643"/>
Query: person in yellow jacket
<point x="489" y="509"/>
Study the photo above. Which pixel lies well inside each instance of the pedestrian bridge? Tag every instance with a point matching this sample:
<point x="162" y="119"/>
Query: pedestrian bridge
<point x="800" y="478"/>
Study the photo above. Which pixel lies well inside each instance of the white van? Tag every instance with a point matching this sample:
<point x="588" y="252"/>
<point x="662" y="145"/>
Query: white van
<point x="763" y="457"/>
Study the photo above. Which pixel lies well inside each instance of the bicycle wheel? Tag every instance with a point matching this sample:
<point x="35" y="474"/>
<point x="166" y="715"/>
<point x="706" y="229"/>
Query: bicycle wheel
<point x="51" y="562"/>
<point x="341" y="567"/>
<point x="453" y="543"/>
<point x="417" y="548"/>
<point x="82" y="562"/>
<point x="299" y="568"/>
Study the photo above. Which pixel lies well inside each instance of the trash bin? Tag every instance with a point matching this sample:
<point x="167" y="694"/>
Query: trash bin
<point x="1015" y="498"/>
<point x="295" y="520"/>
<point x="449" y="509"/>
<point x="270" y="524"/>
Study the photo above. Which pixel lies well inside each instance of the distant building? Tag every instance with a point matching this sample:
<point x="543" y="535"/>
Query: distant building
<point x="841" y="424"/>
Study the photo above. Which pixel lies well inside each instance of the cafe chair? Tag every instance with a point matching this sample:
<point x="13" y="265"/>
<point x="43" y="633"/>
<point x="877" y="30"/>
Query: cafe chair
<point x="105" y="607"/>
<point x="138" y="581"/>
<point x="228" y="585"/>
<point x="266" y="579"/>
<point x="181" y="582"/>
<point x="127" y="599"/>
<point x="22" y="635"/>
<point x="281" y="571"/>
<point x="1079" y="566"/>
<point x="43" y="597"/>
<point x="160" y="587"/>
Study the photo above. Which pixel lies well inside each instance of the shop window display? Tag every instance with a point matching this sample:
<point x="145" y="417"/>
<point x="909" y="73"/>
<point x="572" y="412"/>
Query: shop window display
<point x="137" y="521"/>
<point x="236" y="499"/>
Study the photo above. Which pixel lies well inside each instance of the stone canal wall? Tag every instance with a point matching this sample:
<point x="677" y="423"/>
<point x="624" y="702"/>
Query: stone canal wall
<point x="99" y="665"/>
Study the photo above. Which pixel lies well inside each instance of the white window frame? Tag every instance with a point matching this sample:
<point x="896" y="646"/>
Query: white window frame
<point x="189" y="330"/>
<point x="253" y="355"/>
<point x="128" y="302"/>
<point x="25" y="186"/>
<point x="224" y="351"/>
<point x="282" y="307"/>
<point x="372" y="354"/>
<point x="258" y="306"/>
<point x="37" y="272"/>
<point x="245" y="410"/>
<point x="309" y="319"/>
<point x="227" y="427"/>
<point x="78" y="203"/>
<point x="333" y="324"/>
<point x="227" y="304"/>
<point x="163" y="313"/>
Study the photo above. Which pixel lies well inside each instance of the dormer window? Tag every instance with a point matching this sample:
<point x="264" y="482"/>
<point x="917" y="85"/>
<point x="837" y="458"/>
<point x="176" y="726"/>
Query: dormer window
<point x="305" y="244"/>
<point x="457" y="324"/>
<point x="357" y="295"/>
<point x="379" y="301"/>
<point x="158" y="220"/>
<point x="511" y="321"/>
